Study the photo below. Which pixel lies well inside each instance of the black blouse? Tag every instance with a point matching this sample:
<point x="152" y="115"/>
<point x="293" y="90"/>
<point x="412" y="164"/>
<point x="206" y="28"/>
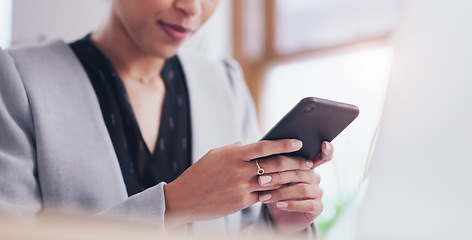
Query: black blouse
<point x="172" y="152"/>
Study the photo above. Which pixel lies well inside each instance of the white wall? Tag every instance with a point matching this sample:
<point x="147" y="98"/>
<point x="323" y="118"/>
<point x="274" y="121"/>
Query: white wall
<point x="419" y="186"/>
<point x="37" y="20"/>
<point x="5" y="23"/>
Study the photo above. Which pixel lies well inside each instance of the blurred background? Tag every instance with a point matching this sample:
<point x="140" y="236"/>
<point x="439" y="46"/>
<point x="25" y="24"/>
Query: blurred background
<point x="344" y="50"/>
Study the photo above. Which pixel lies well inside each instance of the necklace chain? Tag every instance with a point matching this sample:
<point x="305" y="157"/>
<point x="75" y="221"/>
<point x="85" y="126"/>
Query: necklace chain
<point x="145" y="79"/>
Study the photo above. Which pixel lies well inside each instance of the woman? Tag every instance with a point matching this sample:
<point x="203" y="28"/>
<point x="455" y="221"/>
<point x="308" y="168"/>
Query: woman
<point x="99" y="126"/>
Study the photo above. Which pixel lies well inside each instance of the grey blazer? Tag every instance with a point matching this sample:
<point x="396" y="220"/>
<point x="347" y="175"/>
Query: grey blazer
<point x="55" y="151"/>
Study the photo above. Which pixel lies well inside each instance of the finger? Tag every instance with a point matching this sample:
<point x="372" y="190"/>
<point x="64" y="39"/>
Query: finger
<point x="295" y="176"/>
<point x="325" y="155"/>
<point x="282" y="163"/>
<point x="313" y="206"/>
<point x="253" y="198"/>
<point x="231" y="148"/>
<point x="261" y="189"/>
<point x="266" y="148"/>
<point x="297" y="191"/>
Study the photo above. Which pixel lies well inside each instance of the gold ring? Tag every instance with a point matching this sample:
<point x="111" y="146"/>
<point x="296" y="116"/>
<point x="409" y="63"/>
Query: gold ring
<point x="260" y="171"/>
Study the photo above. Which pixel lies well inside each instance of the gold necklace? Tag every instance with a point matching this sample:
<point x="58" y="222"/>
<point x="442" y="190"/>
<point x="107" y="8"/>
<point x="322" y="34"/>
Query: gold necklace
<point x="145" y="79"/>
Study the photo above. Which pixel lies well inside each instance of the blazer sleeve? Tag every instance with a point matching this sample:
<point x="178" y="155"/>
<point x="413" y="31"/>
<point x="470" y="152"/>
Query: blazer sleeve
<point x="19" y="190"/>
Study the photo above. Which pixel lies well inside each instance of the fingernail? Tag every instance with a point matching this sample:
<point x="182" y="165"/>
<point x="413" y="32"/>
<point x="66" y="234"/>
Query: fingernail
<point x="296" y="144"/>
<point x="282" y="205"/>
<point x="327" y="146"/>
<point x="264" y="197"/>
<point x="309" y="164"/>
<point x="263" y="180"/>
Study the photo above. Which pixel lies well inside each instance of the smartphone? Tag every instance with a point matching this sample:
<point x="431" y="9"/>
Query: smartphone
<point x="313" y="121"/>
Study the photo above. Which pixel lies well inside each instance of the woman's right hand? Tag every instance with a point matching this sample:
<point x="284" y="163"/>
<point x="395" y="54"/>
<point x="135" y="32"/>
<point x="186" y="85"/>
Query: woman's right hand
<point x="222" y="182"/>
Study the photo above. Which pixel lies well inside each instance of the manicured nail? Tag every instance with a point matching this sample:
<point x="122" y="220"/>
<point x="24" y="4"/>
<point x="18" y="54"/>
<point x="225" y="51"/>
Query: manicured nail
<point x="309" y="164"/>
<point x="296" y="144"/>
<point x="282" y="205"/>
<point x="264" y="197"/>
<point x="263" y="180"/>
<point x="327" y="146"/>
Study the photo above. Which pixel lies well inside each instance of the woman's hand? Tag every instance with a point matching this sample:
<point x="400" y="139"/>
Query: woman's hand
<point x="294" y="206"/>
<point x="223" y="181"/>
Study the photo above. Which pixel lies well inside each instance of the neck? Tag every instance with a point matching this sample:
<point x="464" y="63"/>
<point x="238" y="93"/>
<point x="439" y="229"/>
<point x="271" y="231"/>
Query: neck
<point x="126" y="57"/>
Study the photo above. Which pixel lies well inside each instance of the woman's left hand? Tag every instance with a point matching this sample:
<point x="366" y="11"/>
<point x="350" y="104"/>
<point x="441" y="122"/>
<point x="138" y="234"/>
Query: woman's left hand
<point x="295" y="205"/>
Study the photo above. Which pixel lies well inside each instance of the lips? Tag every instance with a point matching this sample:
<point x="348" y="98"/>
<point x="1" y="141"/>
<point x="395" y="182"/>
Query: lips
<point x="175" y="32"/>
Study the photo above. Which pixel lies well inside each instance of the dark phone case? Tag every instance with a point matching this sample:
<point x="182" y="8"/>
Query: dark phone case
<point x="313" y="120"/>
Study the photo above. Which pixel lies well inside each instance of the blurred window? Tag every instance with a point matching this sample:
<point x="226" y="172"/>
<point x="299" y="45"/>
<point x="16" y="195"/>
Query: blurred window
<point x="334" y="49"/>
<point x="357" y="75"/>
<point x="306" y="24"/>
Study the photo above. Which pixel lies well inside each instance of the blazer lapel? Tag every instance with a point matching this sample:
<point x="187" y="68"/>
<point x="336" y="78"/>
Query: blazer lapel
<point x="212" y="111"/>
